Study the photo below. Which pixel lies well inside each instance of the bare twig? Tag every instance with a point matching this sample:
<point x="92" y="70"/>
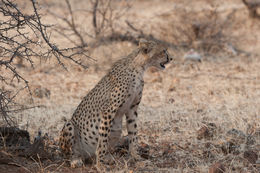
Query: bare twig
<point x="54" y="49"/>
<point x="73" y="26"/>
<point x="20" y="39"/>
<point x="95" y="5"/>
<point x="4" y="100"/>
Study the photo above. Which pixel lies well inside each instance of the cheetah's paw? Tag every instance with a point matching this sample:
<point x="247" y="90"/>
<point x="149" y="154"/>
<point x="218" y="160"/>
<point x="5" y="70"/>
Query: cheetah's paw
<point x="76" y="163"/>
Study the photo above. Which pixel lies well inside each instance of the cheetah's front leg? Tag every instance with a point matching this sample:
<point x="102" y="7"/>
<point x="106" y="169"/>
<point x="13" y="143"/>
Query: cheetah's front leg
<point x="131" y="123"/>
<point x="102" y="146"/>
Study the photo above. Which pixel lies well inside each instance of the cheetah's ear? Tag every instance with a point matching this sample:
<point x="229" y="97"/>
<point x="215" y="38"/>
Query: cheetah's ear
<point x="144" y="45"/>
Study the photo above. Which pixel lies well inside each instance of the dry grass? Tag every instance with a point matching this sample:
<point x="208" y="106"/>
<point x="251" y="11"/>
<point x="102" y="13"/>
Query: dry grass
<point x="176" y="102"/>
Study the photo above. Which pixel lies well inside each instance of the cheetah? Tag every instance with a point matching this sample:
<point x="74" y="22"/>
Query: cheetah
<point x="96" y="124"/>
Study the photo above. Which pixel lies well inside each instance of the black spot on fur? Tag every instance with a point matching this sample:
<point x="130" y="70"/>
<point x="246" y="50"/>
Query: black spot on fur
<point x="130" y="121"/>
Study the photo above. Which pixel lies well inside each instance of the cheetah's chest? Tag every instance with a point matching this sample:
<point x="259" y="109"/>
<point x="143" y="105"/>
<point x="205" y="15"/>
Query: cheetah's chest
<point x="134" y="96"/>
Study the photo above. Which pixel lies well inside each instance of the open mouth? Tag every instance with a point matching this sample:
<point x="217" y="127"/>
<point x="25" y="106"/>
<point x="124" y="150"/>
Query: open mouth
<point x="162" y="65"/>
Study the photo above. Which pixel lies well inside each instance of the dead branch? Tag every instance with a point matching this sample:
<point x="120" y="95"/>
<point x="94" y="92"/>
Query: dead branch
<point x="134" y="37"/>
<point x="95" y="5"/>
<point x="72" y="26"/>
<point x="207" y="33"/>
<point x="21" y="38"/>
<point x="4" y="107"/>
<point x="104" y="16"/>
<point x="58" y="53"/>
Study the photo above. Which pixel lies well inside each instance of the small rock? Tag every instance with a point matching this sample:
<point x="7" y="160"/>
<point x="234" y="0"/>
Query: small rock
<point x="199" y="110"/>
<point x="236" y="133"/>
<point x="250" y="140"/>
<point x="171" y="100"/>
<point x="217" y="168"/>
<point x="251" y="156"/>
<point x="230" y="147"/>
<point x="172" y="88"/>
<point x="235" y="136"/>
<point x="203" y="132"/>
<point x="206" y="131"/>
<point x="193" y="56"/>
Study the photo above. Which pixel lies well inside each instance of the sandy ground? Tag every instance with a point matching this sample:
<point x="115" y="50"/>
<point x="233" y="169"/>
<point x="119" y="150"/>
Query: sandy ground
<point x="222" y="90"/>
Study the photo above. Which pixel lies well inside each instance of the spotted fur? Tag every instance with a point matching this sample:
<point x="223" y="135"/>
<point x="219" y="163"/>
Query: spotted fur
<point x="96" y="124"/>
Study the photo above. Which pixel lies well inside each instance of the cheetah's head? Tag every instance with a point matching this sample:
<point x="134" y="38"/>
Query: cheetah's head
<point x="154" y="54"/>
